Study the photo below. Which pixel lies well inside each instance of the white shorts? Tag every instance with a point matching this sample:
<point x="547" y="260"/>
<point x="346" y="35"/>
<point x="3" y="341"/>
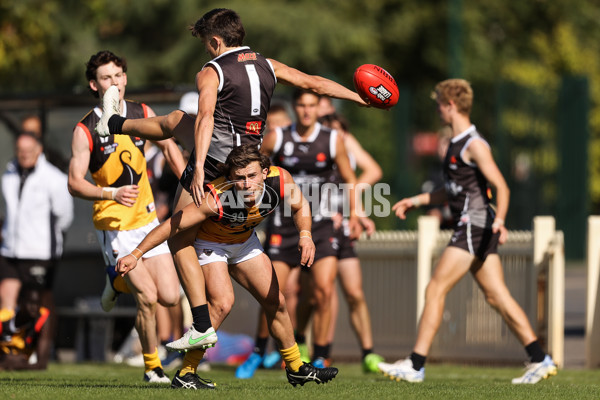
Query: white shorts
<point x="209" y="252"/>
<point x="117" y="244"/>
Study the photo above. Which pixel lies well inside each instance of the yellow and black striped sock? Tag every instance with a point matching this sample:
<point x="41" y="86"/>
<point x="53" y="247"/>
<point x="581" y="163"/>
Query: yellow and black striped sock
<point x="190" y="361"/>
<point x="291" y="357"/>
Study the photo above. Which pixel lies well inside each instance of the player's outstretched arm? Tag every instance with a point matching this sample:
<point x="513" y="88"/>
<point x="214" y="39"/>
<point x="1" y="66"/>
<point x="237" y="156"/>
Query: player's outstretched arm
<point x="409" y="203"/>
<point x="322" y="86"/>
<point x="302" y="218"/>
<point x="189" y="217"/>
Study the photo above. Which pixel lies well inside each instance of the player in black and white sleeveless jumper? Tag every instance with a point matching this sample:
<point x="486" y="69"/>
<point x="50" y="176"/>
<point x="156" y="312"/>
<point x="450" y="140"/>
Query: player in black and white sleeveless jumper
<point x="313" y="154"/>
<point x="469" y="202"/>
<point x="469" y="168"/>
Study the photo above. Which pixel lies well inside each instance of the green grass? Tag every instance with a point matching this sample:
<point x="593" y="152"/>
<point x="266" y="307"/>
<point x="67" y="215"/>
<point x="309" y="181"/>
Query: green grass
<point x="119" y="382"/>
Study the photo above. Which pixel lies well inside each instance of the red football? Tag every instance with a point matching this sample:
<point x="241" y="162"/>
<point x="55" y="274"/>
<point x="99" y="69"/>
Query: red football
<point x="376" y="86"/>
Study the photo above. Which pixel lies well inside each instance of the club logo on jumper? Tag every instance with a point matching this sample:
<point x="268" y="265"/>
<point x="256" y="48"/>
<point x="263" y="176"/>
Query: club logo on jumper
<point x="452" y="164"/>
<point x="253" y="127"/>
<point x="109" y="148"/>
<point x="275" y="240"/>
<point x="321" y="160"/>
<point x="453" y="188"/>
<point x="246" y="57"/>
<point x="288" y="148"/>
<point x="381" y="92"/>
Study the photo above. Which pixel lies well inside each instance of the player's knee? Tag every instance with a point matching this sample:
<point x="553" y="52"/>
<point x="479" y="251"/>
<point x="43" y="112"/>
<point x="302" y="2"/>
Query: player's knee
<point x="434" y="290"/>
<point x="274" y="303"/>
<point x="146" y="303"/>
<point x="222" y="306"/>
<point x="171" y="299"/>
<point x="494" y="299"/>
<point x="355" y="299"/>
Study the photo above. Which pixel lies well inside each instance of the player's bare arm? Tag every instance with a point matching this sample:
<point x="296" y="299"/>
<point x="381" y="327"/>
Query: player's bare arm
<point x="189" y="217"/>
<point x="268" y="144"/>
<point x="422" y="199"/>
<point x="479" y="153"/>
<point x="347" y="173"/>
<point x="371" y="172"/>
<point x="207" y="83"/>
<point x="322" y="86"/>
<point x="302" y="218"/>
<point x="81" y="187"/>
<point x="173" y="155"/>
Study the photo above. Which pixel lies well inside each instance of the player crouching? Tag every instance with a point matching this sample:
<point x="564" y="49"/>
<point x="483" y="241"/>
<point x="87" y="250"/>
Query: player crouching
<point x="249" y="190"/>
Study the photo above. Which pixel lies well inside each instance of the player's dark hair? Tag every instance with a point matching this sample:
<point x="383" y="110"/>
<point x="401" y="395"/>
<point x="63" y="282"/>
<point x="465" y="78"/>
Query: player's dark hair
<point x="221" y="22"/>
<point x="277" y="107"/>
<point x="300" y="92"/>
<point x="241" y="157"/>
<point x="99" y="59"/>
<point x="328" y="119"/>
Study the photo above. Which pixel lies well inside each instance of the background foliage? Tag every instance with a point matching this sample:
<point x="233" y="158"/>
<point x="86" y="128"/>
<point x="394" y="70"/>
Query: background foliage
<point x="516" y="54"/>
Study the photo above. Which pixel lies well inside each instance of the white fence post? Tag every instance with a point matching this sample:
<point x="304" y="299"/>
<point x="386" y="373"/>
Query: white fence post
<point x="592" y="317"/>
<point x="556" y="301"/>
<point x="544" y="244"/>
<point x="429" y="227"/>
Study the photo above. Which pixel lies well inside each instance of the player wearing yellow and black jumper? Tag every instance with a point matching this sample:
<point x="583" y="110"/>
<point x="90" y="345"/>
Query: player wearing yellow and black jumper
<point x="227" y="246"/>
<point x="123" y="209"/>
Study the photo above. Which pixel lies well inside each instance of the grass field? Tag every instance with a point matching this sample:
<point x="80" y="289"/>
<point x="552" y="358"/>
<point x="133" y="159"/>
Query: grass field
<point x="115" y="381"/>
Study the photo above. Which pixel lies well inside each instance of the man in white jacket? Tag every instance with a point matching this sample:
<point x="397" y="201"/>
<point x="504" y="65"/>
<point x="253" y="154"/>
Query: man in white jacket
<point x="39" y="209"/>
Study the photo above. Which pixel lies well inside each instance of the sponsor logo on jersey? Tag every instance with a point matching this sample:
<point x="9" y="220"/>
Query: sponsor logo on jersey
<point x="289" y="161"/>
<point x="253" y="127"/>
<point x="453" y="162"/>
<point x="321" y="160"/>
<point x="303" y="148"/>
<point x="138" y="142"/>
<point x="109" y="148"/>
<point x="381" y="92"/>
<point x="246" y="57"/>
<point x="275" y="240"/>
<point x="150" y="207"/>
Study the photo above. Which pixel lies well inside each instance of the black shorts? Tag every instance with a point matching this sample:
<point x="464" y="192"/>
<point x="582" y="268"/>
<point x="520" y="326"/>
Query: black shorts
<point x="479" y="242"/>
<point x="343" y="244"/>
<point x="282" y="243"/>
<point x="211" y="171"/>
<point x="37" y="274"/>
